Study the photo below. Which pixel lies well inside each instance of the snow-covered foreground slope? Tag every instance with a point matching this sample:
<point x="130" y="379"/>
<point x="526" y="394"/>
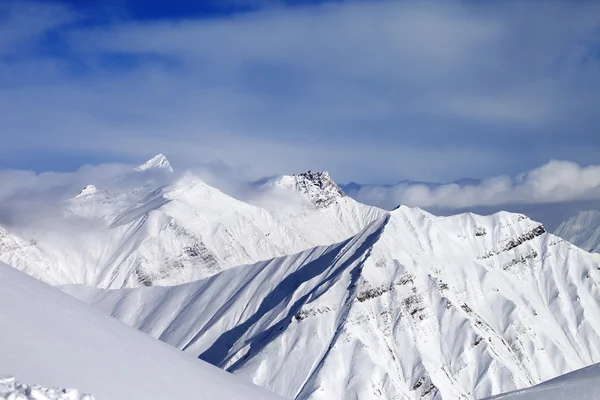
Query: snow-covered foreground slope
<point x="152" y="227"/>
<point x="413" y="307"/>
<point x="583" y="230"/>
<point x="53" y="340"/>
<point x="583" y="384"/>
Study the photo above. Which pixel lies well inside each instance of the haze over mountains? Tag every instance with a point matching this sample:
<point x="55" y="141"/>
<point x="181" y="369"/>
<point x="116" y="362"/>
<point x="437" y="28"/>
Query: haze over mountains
<point x="338" y="299"/>
<point x="152" y="226"/>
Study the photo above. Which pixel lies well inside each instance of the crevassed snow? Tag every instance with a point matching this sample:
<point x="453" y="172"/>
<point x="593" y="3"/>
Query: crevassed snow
<point x="155" y="229"/>
<point x="583" y="230"/>
<point x="583" y="384"/>
<point x="11" y="389"/>
<point x="413" y="307"/>
<point x="53" y="340"/>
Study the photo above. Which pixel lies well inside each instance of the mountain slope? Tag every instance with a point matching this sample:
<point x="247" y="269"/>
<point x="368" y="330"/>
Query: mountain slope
<point x="583" y="230"/>
<point x="413" y="307"/>
<point x="51" y="339"/>
<point x="152" y="227"/>
<point x="583" y="384"/>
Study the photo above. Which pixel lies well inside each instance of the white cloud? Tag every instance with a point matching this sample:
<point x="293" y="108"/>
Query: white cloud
<point x="554" y="182"/>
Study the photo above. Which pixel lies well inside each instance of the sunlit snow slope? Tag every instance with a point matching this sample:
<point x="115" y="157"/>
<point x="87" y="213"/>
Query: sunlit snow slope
<point x="583" y="230"/>
<point x="583" y="384"/>
<point x="152" y="227"/>
<point x="51" y="339"/>
<point x="413" y="307"/>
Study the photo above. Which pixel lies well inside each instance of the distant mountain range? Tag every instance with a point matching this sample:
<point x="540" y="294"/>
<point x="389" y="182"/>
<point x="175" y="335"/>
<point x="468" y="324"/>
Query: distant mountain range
<point x="314" y="295"/>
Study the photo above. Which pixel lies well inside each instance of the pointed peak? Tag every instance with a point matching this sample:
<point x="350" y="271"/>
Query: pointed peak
<point x="157" y="162"/>
<point x="318" y="186"/>
<point x="87" y="191"/>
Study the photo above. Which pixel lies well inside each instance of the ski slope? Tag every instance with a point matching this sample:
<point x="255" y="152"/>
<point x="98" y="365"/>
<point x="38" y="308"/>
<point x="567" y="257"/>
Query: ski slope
<point x="413" y="307"/>
<point x="583" y="384"/>
<point x="583" y="230"/>
<point x="52" y="340"/>
<point x="154" y="227"/>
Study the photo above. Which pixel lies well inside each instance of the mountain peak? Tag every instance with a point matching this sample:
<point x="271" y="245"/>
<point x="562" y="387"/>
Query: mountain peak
<point x="318" y="186"/>
<point x="88" y="190"/>
<point x="159" y="161"/>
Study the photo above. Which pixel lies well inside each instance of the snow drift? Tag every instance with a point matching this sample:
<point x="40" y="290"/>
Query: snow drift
<point x="11" y="389"/>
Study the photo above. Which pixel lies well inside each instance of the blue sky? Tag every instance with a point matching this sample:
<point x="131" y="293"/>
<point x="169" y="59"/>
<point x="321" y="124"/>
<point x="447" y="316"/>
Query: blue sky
<point x="374" y="91"/>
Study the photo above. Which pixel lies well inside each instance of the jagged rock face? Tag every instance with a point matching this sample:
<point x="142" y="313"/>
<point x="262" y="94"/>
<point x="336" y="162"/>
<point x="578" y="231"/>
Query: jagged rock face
<point x="583" y="230"/>
<point x="318" y="187"/>
<point x="413" y="307"/>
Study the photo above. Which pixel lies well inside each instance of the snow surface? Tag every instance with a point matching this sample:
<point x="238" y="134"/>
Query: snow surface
<point x="11" y="389"/>
<point x="413" y="307"/>
<point x="583" y="384"/>
<point x="54" y="340"/>
<point x="583" y="230"/>
<point x="153" y="227"/>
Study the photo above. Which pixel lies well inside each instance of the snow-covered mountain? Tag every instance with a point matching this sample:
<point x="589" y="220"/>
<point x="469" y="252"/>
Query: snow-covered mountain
<point x="313" y="205"/>
<point x="153" y="227"/>
<point x="49" y="339"/>
<point x="583" y="384"/>
<point x="413" y="307"/>
<point x="583" y="230"/>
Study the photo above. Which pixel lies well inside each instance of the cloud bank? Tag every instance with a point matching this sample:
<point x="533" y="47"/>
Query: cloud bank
<point x="554" y="182"/>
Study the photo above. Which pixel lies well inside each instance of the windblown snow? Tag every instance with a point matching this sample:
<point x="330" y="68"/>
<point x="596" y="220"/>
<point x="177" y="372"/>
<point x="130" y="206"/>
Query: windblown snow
<point x="53" y="340"/>
<point x="583" y="230"/>
<point x="413" y="307"/>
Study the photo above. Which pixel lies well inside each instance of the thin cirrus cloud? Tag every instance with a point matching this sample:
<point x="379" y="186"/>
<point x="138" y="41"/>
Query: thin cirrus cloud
<point x="371" y="91"/>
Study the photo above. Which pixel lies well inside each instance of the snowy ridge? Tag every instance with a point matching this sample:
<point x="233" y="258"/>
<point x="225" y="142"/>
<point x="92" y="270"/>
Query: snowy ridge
<point x="11" y="389"/>
<point x="52" y="339"/>
<point x="583" y="230"/>
<point x="413" y="307"/>
<point x="153" y="229"/>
